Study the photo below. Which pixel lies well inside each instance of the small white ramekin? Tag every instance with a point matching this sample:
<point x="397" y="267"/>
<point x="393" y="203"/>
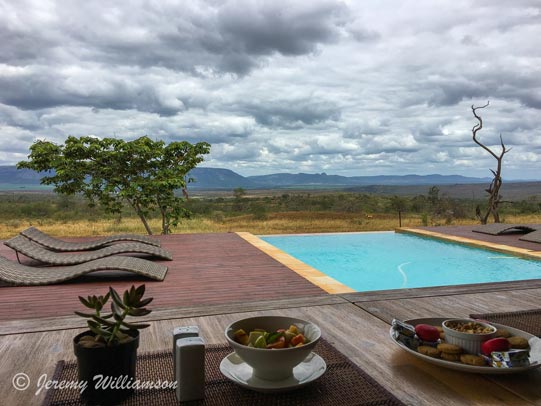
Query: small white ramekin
<point x="469" y="342"/>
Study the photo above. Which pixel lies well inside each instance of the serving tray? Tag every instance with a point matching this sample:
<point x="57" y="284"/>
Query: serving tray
<point x="535" y="350"/>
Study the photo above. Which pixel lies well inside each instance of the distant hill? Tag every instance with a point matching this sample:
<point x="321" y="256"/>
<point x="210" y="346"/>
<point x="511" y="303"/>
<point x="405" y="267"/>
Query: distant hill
<point x="219" y="178"/>
<point x="512" y="191"/>
<point x="12" y="175"/>
<point x="322" y="179"/>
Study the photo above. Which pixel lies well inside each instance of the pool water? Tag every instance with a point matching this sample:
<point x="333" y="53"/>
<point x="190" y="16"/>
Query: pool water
<point x="388" y="260"/>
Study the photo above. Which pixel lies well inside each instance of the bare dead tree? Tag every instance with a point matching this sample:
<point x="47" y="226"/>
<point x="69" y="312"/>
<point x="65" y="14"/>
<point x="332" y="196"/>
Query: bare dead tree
<point x="494" y="197"/>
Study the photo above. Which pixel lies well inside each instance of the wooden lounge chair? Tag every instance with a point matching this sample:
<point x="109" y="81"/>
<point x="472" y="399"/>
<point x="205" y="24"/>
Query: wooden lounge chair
<point x="23" y="275"/>
<point x="500" y="228"/>
<point x="534" y="236"/>
<point x="35" y="251"/>
<point x="55" y="244"/>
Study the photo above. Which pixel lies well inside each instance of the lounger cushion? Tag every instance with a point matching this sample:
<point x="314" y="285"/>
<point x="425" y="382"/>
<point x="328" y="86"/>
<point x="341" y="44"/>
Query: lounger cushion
<point x="35" y="251"/>
<point x="55" y="244"/>
<point x="17" y="274"/>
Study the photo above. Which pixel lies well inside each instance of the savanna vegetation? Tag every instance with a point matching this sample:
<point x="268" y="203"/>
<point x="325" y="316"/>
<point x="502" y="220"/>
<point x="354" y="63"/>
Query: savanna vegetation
<point x="265" y="213"/>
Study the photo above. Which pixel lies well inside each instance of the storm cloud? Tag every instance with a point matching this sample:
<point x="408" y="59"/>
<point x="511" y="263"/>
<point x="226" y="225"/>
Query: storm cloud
<point x="351" y="88"/>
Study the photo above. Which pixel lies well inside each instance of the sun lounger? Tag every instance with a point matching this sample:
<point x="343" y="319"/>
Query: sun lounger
<point x="17" y="274"/>
<point x="35" y="251"/>
<point x="55" y="244"/>
<point x="534" y="236"/>
<point x="500" y="228"/>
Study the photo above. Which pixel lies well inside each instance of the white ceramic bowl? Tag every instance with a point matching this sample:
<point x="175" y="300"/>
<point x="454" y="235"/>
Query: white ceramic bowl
<point x="273" y="364"/>
<point x="470" y="342"/>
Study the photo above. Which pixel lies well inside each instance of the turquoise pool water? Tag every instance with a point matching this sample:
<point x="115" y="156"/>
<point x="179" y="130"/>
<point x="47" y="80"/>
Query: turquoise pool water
<point x="387" y="260"/>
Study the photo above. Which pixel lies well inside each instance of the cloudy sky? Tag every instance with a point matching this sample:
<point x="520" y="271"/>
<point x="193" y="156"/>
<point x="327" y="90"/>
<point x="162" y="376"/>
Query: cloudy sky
<point x="343" y="87"/>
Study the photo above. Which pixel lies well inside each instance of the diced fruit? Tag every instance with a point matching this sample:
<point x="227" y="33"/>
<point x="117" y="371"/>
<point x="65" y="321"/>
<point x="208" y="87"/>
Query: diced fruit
<point x="298" y="339"/>
<point x="494" y="344"/>
<point x="260" y="342"/>
<point x="274" y="337"/>
<point x="293" y="328"/>
<point x="281" y="338"/>
<point x="280" y="343"/>
<point x="254" y="335"/>
<point x="289" y="335"/>
<point x="427" y="332"/>
<point x="241" y="337"/>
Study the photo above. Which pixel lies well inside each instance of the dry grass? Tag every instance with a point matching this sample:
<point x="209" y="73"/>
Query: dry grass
<point x="275" y="223"/>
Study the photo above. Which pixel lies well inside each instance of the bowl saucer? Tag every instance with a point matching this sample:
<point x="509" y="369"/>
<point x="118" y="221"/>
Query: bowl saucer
<point x="235" y="369"/>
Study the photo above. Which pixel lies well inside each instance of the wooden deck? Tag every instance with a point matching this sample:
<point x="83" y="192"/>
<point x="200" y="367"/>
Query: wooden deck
<point x="207" y="269"/>
<point x="356" y="323"/>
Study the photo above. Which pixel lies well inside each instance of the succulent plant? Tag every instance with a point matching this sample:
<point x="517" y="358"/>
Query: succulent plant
<point x="111" y="328"/>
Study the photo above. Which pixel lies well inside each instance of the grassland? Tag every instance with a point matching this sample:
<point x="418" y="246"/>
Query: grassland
<point x="271" y="214"/>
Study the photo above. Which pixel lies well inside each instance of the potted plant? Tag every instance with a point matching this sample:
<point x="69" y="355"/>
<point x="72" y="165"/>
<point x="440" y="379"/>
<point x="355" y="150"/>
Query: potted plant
<point x="107" y="352"/>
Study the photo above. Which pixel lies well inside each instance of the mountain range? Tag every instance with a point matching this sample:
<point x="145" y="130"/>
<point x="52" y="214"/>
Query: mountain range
<point x="219" y="178"/>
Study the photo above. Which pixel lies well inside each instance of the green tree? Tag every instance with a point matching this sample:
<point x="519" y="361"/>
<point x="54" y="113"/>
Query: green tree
<point x="239" y="194"/>
<point x="110" y="172"/>
<point x="434" y="196"/>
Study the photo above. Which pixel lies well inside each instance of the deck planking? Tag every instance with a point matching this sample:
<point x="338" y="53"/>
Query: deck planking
<point x="207" y="269"/>
<point x="355" y="332"/>
<point x="453" y="305"/>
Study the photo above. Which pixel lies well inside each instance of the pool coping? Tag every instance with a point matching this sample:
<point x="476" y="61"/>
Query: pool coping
<point x="318" y="278"/>
<point x="506" y="249"/>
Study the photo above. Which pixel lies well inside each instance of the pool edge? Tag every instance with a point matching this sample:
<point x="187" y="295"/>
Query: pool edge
<point x="506" y="249"/>
<point x="318" y="278"/>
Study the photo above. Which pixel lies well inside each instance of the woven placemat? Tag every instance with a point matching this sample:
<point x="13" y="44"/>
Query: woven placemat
<point x="343" y="383"/>
<point x="526" y="320"/>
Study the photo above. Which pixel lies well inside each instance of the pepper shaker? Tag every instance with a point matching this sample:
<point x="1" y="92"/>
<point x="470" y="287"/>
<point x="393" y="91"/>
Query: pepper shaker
<point x="190" y="368"/>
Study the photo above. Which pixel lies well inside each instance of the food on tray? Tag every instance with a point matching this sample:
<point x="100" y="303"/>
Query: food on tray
<point x="280" y="338"/>
<point x="403" y="328"/>
<point x="449" y="352"/>
<point x="518" y="342"/>
<point x="427" y="332"/>
<point x="475" y="360"/>
<point x="449" y="348"/>
<point x="498" y="352"/>
<point x="510" y="359"/>
<point x="469" y="327"/>
<point x="501" y="332"/>
<point x="429" y="351"/>
<point x="494" y="344"/>
<point x="450" y="357"/>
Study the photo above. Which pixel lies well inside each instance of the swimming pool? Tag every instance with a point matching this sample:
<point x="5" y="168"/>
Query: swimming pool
<point x="388" y="260"/>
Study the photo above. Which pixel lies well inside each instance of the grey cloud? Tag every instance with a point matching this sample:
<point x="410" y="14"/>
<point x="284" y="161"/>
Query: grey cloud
<point x="13" y="117"/>
<point x="263" y="28"/>
<point x="449" y="92"/>
<point x="291" y="113"/>
<point x="357" y="128"/>
<point x="45" y="89"/>
<point x="226" y="37"/>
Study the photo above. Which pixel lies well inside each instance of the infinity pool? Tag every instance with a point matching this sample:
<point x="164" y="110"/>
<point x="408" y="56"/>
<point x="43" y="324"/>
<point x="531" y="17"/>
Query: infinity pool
<point x="388" y="260"/>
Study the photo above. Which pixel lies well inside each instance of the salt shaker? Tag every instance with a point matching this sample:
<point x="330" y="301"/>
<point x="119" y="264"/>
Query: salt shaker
<point x="190" y="368"/>
<point x="182" y="332"/>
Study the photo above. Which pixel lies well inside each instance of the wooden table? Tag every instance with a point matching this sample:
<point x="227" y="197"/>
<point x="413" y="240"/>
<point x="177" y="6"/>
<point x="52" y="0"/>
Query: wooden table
<point x="357" y="324"/>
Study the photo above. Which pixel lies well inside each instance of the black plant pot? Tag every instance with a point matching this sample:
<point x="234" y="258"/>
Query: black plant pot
<point x="115" y="365"/>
